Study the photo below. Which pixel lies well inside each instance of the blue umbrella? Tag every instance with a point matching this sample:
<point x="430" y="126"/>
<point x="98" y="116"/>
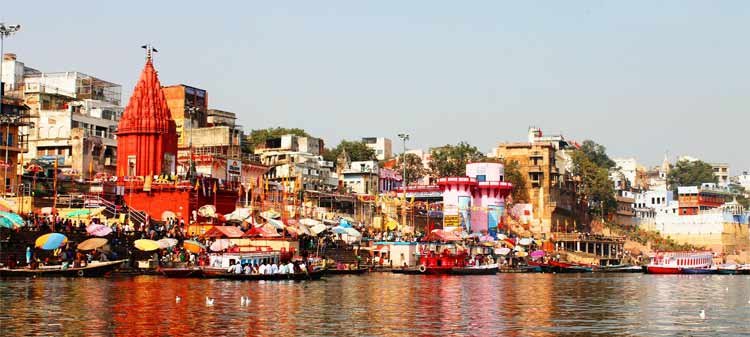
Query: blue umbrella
<point x="10" y="220"/>
<point x="339" y="230"/>
<point x="51" y="241"/>
<point x="344" y="223"/>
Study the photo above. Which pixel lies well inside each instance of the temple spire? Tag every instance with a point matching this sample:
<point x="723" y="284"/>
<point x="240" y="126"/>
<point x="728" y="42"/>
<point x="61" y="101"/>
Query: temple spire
<point x="149" y="51"/>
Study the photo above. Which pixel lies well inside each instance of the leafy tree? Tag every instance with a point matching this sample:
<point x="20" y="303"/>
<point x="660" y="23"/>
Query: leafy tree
<point x="690" y="173"/>
<point x="514" y="175"/>
<point x="595" y="186"/>
<point x="414" y="167"/>
<point x="258" y="137"/>
<point x="597" y="154"/>
<point x="740" y="194"/>
<point x="357" y="151"/>
<point x="451" y="160"/>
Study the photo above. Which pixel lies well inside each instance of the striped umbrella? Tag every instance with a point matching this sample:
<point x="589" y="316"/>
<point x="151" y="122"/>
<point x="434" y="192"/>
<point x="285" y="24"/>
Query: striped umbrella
<point x="193" y="246"/>
<point x="51" y="241"/>
<point x="98" y="230"/>
<point x="10" y="220"/>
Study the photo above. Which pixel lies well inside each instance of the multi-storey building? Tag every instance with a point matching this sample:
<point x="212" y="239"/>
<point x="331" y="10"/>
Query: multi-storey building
<point x="721" y="172"/>
<point x="293" y="158"/>
<point x="189" y="108"/>
<point x="695" y="199"/>
<point x="74" y="118"/>
<point x="382" y="146"/>
<point x="361" y="177"/>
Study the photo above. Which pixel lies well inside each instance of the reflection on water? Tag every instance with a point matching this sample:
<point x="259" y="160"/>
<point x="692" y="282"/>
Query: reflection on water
<point x="380" y="305"/>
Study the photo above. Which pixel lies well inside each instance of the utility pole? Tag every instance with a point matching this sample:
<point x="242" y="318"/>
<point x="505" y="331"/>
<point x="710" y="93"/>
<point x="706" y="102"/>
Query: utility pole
<point x="404" y="137"/>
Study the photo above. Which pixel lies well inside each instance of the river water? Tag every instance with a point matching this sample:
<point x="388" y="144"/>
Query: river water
<point x="381" y="304"/>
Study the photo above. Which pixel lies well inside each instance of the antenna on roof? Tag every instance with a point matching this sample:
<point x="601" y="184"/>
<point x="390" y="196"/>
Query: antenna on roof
<point x="149" y="51"/>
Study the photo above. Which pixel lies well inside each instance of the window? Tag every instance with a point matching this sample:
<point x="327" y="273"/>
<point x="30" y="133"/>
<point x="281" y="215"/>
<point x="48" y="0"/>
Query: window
<point x="10" y="139"/>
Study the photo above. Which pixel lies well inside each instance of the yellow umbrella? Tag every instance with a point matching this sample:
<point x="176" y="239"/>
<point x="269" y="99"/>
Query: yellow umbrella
<point x="193" y="246"/>
<point x="146" y="245"/>
<point x="92" y="243"/>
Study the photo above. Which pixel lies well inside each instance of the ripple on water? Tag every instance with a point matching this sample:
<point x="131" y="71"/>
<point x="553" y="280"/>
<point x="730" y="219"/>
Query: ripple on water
<point x="381" y="305"/>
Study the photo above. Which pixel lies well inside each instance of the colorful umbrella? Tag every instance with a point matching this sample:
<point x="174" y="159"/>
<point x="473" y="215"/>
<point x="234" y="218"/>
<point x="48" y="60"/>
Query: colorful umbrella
<point x="524" y="242"/>
<point x="92" y="243"/>
<point x="522" y="254"/>
<point x="146" y="245"/>
<point x="537" y="254"/>
<point x="193" y="246"/>
<point x="50" y="241"/>
<point x="6" y="206"/>
<point x="352" y="232"/>
<point x="98" y="230"/>
<point x="12" y="217"/>
<point x="502" y="251"/>
<point x="167" y="243"/>
<point x="220" y="245"/>
<point x="276" y="223"/>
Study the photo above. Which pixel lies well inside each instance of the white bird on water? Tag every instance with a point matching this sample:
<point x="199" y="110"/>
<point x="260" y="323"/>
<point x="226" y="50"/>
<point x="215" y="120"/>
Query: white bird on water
<point x="177" y="299"/>
<point x="209" y="301"/>
<point x="702" y="314"/>
<point x="244" y="301"/>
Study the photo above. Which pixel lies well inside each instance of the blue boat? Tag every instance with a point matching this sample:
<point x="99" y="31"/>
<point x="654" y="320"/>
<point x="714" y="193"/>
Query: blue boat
<point x="698" y="271"/>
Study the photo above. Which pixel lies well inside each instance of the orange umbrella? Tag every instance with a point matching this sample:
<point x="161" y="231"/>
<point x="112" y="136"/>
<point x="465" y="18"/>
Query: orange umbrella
<point x="193" y="246"/>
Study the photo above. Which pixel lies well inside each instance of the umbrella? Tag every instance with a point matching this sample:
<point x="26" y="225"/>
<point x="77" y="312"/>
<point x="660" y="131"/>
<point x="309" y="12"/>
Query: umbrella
<point x="522" y="254"/>
<point x="276" y="223"/>
<point x="309" y="222"/>
<point x="92" y="243"/>
<point x="302" y="229"/>
<point x="239" y="214"/>
<point x="146" y="245"/>
<point x="220" y="245"/>
<point x="193" y="246"/>
<point x="48" y="210"/>
<point x="317" y="229"/>
<point x="486" y="238"/>
<point x="6" y="205"/>
<point x="339" y="230"/>
<point x="207" y="211"/>
<point x="502" y="251"/>
<point x="166" y="243"/>
<point x="166" y="215"/>
<point x="269" y="231"/>
<point x="270" y="214"/>
<point x="50" y="241"/>
<point x="524" y="242"/>
<point x="352" y="232"/>
<point x="345" y="223"/>
<point x="10" y="220"/>
<point x="78" y="213"/>
<point x="537" y="254"/>
<point x="98" y="230"/>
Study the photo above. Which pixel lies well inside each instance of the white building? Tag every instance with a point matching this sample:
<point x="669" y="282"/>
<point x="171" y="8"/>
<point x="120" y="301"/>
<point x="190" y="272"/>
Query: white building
<point x="624" y="173"/>
<point x="721" y="171"/>
<point x="382" y="146"/>
<point x="361" y="177"/>
<point x="293" y="157"/>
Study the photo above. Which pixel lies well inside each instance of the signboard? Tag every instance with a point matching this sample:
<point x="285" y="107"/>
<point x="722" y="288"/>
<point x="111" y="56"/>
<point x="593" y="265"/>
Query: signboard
<point x="234" y="167"/>
<point x="451" y="221"/>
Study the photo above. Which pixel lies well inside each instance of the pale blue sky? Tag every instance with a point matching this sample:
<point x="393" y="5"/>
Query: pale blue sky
<point x="641" y="77"/>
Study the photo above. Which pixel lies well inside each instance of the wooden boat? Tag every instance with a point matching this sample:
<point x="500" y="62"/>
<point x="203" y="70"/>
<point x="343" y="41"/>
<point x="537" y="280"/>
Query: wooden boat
<point x="676" y="262"/>
<point x="356" y="271"/>
<point x="181" y="272"/>
<point x="210" y="272"/>
<point x="94" y="269"/>
<point x="567" y="267"/>
<point x="621" y="268"/>
<point x="408" y="271"/>
<point x="521" y="269"/>
<point x="490" y="269"/>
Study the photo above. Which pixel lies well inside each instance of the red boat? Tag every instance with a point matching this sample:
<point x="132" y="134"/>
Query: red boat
<point x="443" y="263"/>
<point x="678" y="262"/>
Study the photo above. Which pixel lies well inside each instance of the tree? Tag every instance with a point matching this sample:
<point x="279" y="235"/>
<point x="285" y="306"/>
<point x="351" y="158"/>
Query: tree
<point x="414" y="167"/>
<point x="451" y="160"/>
<point x="357" y="151"/>
<point x="690" y="173"/>
<point x="597" y="154"/>
<point x="514" y="176"/>
<point x="258" y="137"/>
<point x="595" y="186"/>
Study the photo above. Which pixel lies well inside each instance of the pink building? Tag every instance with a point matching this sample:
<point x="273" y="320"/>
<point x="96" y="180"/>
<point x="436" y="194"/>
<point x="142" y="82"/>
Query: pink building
<point x="476" y="202"/>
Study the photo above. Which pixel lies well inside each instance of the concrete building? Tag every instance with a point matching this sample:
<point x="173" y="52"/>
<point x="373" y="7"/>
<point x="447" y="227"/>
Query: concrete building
<point x="721" y="171"/>
<point x="13" y="116"/>
<point x="696" y="199"/>
<point x="624" y="174"/>
<point x="545" y="162"/>
<point x="361" y="177"/>
<point x="293" y="157"/>
<point x="189" y="108"/>
<point x="382" y="146"/>
<point x="74" y="116"/>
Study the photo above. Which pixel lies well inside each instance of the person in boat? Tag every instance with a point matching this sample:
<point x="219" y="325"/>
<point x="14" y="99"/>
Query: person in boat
<point x="275" y="268"/>
<point x="248" y="269"/>
<point x="262" y="268"/>
<point x="238" y="267"/>
<point x="290" y="268"/>
<point x="254" y="269"/>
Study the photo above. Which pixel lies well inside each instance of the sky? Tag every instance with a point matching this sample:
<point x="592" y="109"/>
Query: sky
<point x="643" y="78"/>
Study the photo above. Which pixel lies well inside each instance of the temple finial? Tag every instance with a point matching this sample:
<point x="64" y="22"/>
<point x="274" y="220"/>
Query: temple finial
<point x="149" y="51"/>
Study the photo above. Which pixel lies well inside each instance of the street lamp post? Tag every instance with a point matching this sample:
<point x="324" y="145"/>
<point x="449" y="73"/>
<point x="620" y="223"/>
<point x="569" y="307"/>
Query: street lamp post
<point x="404" y="137"/>
<point x="5" y="31"/>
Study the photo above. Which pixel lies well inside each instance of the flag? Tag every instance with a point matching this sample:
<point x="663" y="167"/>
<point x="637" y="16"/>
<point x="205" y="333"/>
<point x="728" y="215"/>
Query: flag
<point x="91" y="169"/>
<point x="197" y="184"/>
<point x="214" y="187"/>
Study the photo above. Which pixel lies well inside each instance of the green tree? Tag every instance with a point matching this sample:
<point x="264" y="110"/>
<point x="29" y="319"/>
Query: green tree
<point x="414" y="167"/>
<point x="690" y="173"/>
<point x="451" y="160"/>
<point x="514" y="176"/>
<point x="595" y="187"/>
<point x="258" y="137"/>
<point x="357" y="151"/>
<point x="597" y="154"/>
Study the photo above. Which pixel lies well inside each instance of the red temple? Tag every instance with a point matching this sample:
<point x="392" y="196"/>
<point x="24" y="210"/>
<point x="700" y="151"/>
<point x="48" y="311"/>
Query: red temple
<point x="146" y="159"/>
<point x="146" y="134"/>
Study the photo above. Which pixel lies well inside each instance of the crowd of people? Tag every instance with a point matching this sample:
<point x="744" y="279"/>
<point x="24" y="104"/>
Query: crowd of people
<point x="267" y="268"/>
